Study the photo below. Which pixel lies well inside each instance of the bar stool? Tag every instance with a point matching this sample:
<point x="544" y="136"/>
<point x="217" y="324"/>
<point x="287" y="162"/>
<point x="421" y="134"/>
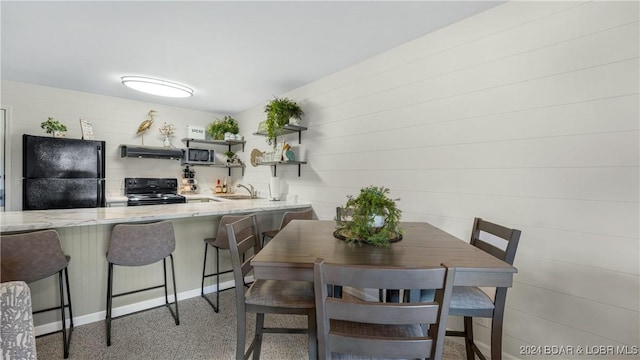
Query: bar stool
<point x="138" y="245"/>
<point x="220" y="242"/>
<point x="34" y="256"/>
<point x="286" y="219"/>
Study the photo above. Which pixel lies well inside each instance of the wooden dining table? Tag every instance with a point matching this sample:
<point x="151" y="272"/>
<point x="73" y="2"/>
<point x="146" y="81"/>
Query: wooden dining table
<point x="291" y="253"/>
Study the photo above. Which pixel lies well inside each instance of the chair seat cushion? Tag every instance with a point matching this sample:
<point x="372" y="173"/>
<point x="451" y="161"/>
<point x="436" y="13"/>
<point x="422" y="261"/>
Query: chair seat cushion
<point x="362" y="329"/>
<point x="281" y="293"/>
<point x="465" y="301"/>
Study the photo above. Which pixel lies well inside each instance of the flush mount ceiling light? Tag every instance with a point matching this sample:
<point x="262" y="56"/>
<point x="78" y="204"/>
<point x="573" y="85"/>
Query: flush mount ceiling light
<point x="156" y="86"/>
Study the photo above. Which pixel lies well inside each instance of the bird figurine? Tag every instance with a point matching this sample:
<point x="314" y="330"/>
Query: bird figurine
<point x="145" y="125"/>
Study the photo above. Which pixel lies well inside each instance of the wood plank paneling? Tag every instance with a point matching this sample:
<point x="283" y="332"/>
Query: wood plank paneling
<point x="526" y="115"/>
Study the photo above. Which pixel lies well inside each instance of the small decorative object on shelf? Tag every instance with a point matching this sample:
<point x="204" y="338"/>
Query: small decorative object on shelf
<point x="256" y="157"/>
<point x="217" y="129"/>
<point x="54" y="127"/>
<point x="145" y="125"/>
<point x="87" y="129"/>
<point x="167" y="131"/>
<point x="371" y="217"/>
<point x="189" y="183"/>
<point x="279" y="113"/>
<point x="287" y="154"/>
<point x="232" y="158"/>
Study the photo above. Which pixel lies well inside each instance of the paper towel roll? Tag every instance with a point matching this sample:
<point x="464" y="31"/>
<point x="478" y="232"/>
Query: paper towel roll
<point x="274" y="187"/>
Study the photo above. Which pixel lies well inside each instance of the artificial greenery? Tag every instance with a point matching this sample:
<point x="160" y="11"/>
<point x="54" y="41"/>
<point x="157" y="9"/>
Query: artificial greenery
<point x="362" y="209"/>
<point x="52" y="125"/>
<point x="229" y="154"/>
<point x="218" y="128"/>
<point x="279" y="111"/>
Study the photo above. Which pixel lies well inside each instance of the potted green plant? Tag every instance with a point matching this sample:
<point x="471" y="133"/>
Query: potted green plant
<point x="52" y="126"/>
<point x="371" y="217"/>
<point x="219" y="127"/>
<point x="279" y="111"/>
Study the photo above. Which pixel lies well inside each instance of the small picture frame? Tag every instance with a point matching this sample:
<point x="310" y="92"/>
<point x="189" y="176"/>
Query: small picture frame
<point x="87" y="130"/>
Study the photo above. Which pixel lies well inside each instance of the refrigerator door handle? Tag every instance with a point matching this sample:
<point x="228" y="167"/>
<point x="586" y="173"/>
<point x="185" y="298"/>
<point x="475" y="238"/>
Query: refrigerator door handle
<point x="99" y="172"/>
<point x="101" y="201"/>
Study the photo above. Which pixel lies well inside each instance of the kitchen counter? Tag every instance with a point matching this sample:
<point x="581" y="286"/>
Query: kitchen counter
<point x="85" y="236"/>
<point x="45" y="219"/>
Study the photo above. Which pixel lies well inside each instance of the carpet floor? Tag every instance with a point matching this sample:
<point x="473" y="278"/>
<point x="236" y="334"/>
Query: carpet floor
<point x="202" y="334"/>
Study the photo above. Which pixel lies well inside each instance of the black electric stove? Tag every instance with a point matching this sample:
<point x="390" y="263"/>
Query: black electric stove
<point x="152" y="191"/>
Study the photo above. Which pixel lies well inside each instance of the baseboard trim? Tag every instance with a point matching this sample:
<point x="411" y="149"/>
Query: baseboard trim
<point x="131" y="308"/>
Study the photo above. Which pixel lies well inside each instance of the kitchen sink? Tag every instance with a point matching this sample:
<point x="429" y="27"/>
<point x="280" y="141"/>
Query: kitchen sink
<point x="232" y="197"/>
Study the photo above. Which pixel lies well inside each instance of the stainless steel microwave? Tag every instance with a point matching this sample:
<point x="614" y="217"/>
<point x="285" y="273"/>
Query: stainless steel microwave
<point x="204" y="156"/>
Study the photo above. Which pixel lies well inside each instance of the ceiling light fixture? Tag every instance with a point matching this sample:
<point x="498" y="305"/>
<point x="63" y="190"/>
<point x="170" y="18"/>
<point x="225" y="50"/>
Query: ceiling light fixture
<point x="156" y="86"/>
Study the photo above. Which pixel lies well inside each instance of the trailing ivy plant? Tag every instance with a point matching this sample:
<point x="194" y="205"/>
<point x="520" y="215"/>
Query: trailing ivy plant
<point x="279" y="111"/>
<point x="362" y="209"/>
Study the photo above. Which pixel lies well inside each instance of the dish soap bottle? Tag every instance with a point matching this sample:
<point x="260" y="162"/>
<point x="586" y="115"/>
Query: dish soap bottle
<point x="224" y="186"/>
<point x="218" y="187"/>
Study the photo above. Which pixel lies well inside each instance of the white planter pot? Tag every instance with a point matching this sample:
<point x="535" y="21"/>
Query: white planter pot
<point x="378" y="221"/>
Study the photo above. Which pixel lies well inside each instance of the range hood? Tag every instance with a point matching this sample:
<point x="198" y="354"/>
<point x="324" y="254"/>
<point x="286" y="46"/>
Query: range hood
<point x="151" y="152"/>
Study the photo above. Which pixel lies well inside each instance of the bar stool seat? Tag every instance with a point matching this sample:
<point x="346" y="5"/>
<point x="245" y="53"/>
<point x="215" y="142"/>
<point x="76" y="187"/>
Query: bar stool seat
<point x="219" y="242"/>
<point x="35" y="256"/>
<point x="139" y="245"/>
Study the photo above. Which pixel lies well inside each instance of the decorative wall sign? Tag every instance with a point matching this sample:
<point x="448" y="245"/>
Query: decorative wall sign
<point x="87" y="129"/>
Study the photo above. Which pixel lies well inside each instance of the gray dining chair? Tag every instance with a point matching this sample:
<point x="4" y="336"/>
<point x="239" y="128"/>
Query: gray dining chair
<point x="351" y="328"/>
<point x="34" y="256"/>
<point x="219" y="242"/>
<point x="265" y="296"/>
<point x="139" y="245"/>
<point x="470" y="301"/>
<point x="286" y="219"/>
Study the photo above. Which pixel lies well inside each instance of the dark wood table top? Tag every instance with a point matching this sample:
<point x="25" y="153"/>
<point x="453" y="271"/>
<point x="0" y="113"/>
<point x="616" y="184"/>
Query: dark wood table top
<point x="291" y="254"/>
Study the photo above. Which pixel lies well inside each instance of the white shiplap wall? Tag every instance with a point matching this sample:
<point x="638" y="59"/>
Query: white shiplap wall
<point x="526" y="115"/>
<point x="114" y="120"/>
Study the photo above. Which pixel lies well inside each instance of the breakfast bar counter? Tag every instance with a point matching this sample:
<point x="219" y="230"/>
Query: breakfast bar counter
<point x="46" y="219"/>
<point x="85" y="235"/>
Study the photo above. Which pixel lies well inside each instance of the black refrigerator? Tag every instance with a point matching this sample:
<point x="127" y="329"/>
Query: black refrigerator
<point x="61" y="173"/>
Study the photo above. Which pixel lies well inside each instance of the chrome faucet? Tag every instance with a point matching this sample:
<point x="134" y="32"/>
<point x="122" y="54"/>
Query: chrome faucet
<point x="251" y="191"/>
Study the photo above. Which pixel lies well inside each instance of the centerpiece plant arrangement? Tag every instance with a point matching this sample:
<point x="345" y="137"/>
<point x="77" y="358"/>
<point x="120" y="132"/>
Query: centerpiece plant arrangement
<point x="279" y="111"/>
<point x="371" y="217"/>
<point x="219" y="127"/>
<point x="52" y="126"/>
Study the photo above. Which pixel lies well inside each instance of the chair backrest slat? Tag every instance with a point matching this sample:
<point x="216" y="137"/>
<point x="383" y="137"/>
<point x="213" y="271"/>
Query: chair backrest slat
<point x="382" y="313"/>
<point x="392" y="348"/>
<point x="389" y="278"/>
<point x="489" y="249"/>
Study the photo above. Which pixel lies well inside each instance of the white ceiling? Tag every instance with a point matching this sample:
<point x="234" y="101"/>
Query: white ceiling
<point x="235" y="55"/>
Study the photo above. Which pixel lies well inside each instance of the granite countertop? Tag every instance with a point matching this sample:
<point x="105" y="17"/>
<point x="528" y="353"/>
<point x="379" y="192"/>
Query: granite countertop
<point x="46" y="219"/>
